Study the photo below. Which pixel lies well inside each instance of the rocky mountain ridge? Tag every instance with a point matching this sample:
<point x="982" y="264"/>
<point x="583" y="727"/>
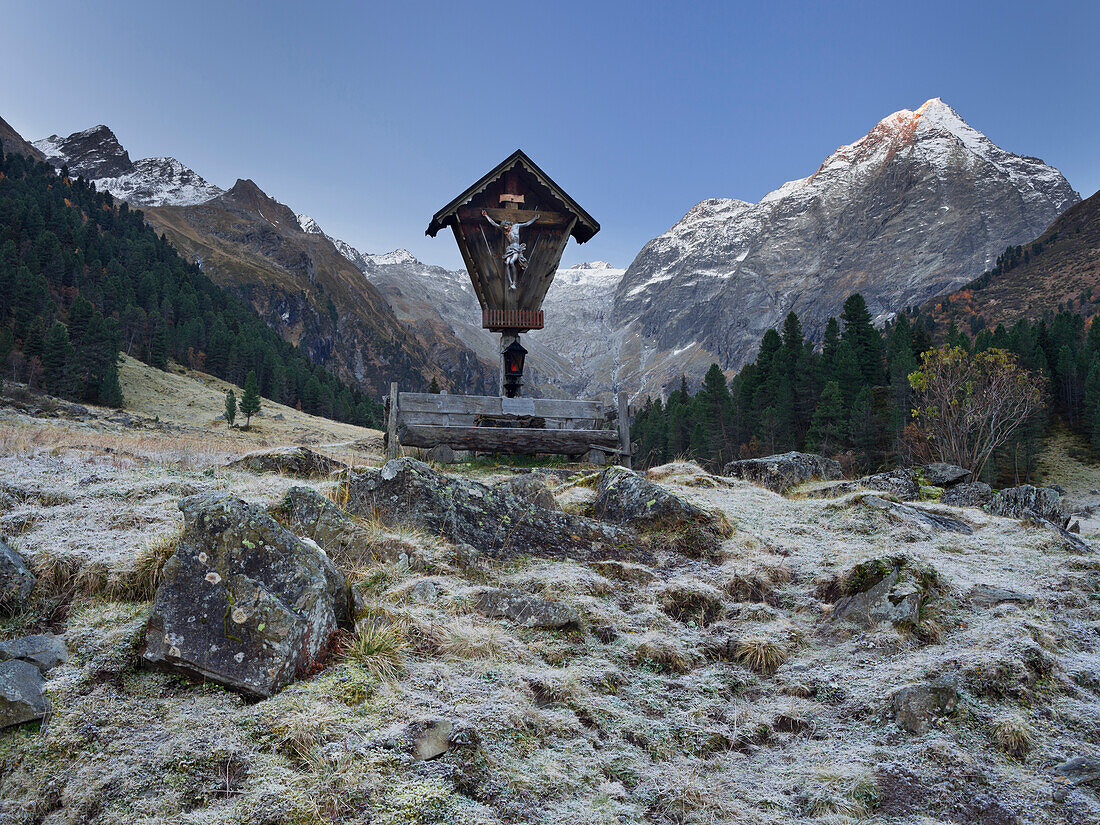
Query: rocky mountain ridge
<point x="920" y="205"/>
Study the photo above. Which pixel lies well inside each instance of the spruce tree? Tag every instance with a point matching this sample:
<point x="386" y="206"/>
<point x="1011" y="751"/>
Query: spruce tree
<point x="57" y="353"/>
<point x="865" y="340"/>
<point x="829" y="428"/>
<point x="250" y="401"/>
<point x="433" y="386"/>
<point x="230" y="408"/>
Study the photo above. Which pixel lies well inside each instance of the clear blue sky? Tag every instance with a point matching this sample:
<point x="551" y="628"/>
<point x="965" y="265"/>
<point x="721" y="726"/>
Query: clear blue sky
<point x="370" y="116"/>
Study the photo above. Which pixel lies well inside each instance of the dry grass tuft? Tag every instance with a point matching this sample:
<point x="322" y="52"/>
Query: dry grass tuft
<point x="380" y="648"/>
<point x="691" y="600"/>
<point x="662" y="654"/>
<point x="1013" y="734"/>
<point x="467" y="638"/>
<point x="761" y="654"/>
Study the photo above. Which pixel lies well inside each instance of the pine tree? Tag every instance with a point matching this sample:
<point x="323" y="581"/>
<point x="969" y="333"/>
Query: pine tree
<point x="865" y="340"/>
<point x="829" y="428"/>
<point x="433" y="386"/>
<point x="250" y="401"/>
<point x="57" y="353"/>
<point x="230" y="408"/>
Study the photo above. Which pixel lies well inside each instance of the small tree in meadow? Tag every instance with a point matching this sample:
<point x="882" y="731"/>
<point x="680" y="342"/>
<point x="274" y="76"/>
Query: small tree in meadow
<point x="230" y="408"/>
<point x="250" y="401"/>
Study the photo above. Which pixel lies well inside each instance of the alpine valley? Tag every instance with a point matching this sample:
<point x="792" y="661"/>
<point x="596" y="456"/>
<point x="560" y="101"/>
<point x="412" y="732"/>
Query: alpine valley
<point x="917" y="208"/>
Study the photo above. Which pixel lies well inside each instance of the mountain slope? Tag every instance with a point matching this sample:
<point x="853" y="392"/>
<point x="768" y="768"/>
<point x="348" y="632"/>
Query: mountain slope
<point x="915" y="208"/>
<point x="1060" y="267"/>
<point x="12" y="141"/>
<point x="97" y="155"/>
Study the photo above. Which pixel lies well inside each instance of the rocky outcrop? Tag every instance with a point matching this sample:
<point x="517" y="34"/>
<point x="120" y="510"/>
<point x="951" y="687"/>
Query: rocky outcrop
<point x="530" y="488"/>
<point x="525" y="609"/>
<point x="783" y="471"/>
<point x="900" y="483"/>
<point x="243" y="601"/>
<point x="988" y="595"/>
<point x="910" y="514"/>
<point x="409" y="492"/>
<point x="45" y="651"/>
<point x="915" y="707"/>
<point x="1029" y="502"/>
<point x="889" y="589"/>
<point x="941" y="474"/>
<point x="22" y="694"/>
<point x="301" y="462"/>
<point x="973" y="494"/>
<point x="625" y="497"/>
<point x="16" y="578"/>
<point x="308" y="514"/>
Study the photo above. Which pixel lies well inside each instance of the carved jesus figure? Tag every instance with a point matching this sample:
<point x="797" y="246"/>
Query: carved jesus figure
<point x="513" y="253"/>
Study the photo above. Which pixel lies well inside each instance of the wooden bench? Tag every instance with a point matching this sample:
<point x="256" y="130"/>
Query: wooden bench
<point x="479" y="423"/>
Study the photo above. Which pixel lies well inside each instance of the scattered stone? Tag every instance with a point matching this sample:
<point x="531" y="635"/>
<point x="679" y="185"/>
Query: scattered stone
<point x="292" y="461"/>
<point x="888" y="589"/>
<point x="16" y="578"/>
<point x="441" y="454"/>
<point x="972" y="494"/>
<point x="1027" y="501"/>
<point x="1079" y="770"/>
<point x="826" y="489"/>
<point x="530" y="488"/>
<point x="625" y="571"/>
<point x="987" y="595"/>
<point x="942" y="474"/>
<point x="596" y="457"/>
<point x="625" y="497"/>
<point x="278" y="417"/>
<point x="783" y="471"/>
<point x="425" y="591"/>
<point x="22" y="695"/>
<point x="243" y="601"/>
<point x="427" y="739"/>
<point x="914" y="707"/>
<point x="900" y="483"/>
<point x="907" y="513"/>
<point x="525" y="609"/>
<point x="45" y="651"/>
<point x="409" y="492"/>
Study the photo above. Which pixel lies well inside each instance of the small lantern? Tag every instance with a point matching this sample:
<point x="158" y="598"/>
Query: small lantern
<point x="513" y="367"/>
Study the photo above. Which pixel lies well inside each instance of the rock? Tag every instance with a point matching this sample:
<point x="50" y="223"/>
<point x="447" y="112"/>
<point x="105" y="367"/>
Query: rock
<point x="907" y="513"/>
<point x="915" y="706"/>
<point x="426" y="739"/>
<point x="16" y="578"/>
<point x="1028" y="501"/>
<point x="942" y="474"/>
<point x="441" y="454"/>
<point x="278" y="417"/>
<point x="887" y="589"/>
<point x="987" y="595"/>
<point x="625" y="571"/>
<point x="596" y="457"/>
<point x="525" y="609"/>
<point x="1079" y="770"/>
<point x="972" y="494"/>
<point x="243" y="602"/>
<point x="22" y="695"/>
<point x="409" y="492"/>
<point x="425" y="591"/>
<point x="292" y="461"/>
<point x="827" y="489"/>
<point x="625" y="497"/>
<point x="45" y="651"/>
<point x="307" y="513"/>
<point x="900" y="483"/>
<point x="531" y="489"/>
<point x="783" y="471"/>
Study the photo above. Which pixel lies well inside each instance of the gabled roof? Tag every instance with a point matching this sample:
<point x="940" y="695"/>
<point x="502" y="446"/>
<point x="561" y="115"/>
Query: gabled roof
<point x="583" y="229"/>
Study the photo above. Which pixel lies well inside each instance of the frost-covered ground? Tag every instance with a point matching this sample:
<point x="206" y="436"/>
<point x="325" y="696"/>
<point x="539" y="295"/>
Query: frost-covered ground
<point x="712" y="690"/>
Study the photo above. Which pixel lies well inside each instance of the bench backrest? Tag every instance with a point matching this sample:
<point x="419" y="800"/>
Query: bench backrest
<point x="463" y="410"/>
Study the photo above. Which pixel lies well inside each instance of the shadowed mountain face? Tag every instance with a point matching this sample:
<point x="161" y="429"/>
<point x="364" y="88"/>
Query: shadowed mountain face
<point x="919" y="206"/>
<point x="12" y="141"/>
<point x="1059" y="268"/>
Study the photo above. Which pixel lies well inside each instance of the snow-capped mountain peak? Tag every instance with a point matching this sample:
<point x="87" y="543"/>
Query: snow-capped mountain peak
<point x="397" y="257"/>
<point x="309" y="226"/>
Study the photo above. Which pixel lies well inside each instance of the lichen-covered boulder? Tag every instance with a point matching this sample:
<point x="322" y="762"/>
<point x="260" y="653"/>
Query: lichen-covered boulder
<point x="496" y="522"/>
<point x="309" y="514"/>
<point x="1027" y="501"/>
<point x="783" y="471"/>
<point x="16" y="578"/>
<point x="525" y="609"/>
<point x="22" y="695"/>
<point x="971" y="494"/>
<point x="243" y="601"/>
<point x="901" y="483"/>
<point x="531" y="488"/>
<point x="888" y="589"/>
<point x="914" y="707"/>
<point x="988" y="595"/>
<point x="625" y="497"/>
<point x="45" y="650"/>
<point x="918" y="516"/>
<point x="291" y="461"/>
<point x="942" y="474"/>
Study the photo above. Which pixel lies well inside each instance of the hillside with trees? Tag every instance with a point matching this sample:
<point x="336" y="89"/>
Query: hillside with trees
<point x="83" y="277"/>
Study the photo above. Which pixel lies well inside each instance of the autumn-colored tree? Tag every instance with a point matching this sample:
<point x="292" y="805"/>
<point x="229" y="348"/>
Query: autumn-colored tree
<point x="969" y="404"/>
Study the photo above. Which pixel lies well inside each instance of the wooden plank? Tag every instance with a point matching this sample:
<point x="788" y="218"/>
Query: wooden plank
<point x="511" y="440"/>
<point x="472" y="215"/>
<point x="624" y="428"/>
<point x="426" y="402"/>
<point x="392" y="447"/>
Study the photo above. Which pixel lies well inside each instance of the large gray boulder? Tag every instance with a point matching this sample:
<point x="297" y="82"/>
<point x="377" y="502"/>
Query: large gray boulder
<point x="16" y="578"/>
<point x="45" y="651"/>
<point x="910" y="514"/>
<point x="625" y="497"/>
<point x="1029" y="502"/>
<point x="901" y="483"/>
<point x="309" y="514"/>
<point x="243" y="602"/>
<point x="914" y="707"/>
<point x="889" y="589"/>
<point x="971" y="494"/>
<point x="942" y="474"/>
<point x="291" y="461"/>
<point x="525" y="609"/>
<point x="496" y="522"/>
<point x="783" y="471"/>
<point x="22" y="695"/>
<point x="531" y="488"/>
